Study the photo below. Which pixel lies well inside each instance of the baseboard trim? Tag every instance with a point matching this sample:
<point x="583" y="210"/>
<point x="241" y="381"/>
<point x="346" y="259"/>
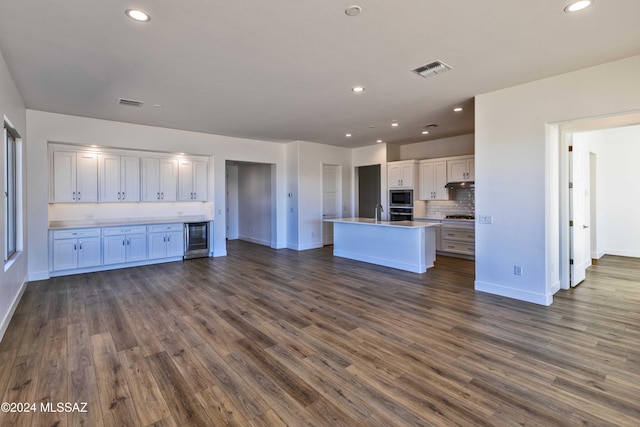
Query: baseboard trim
<point x="256" y="241"/>
<point x="518" y="294"/>
<point x="14" y="305"/>
<point x="40" y="275"/>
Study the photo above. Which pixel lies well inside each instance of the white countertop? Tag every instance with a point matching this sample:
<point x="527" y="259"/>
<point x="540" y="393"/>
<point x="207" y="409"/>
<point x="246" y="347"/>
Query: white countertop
<point x="57" y="225"/>
<point x="371" y="221"/>
<point x="470" y="221"/>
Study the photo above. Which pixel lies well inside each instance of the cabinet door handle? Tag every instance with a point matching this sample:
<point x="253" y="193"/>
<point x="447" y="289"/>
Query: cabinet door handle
<point x="78" y="198"/>
<point x="123" y="196"/>
<point x="128" y="241"/>
<point x="158" y="196"/>
<point x="118" y="195"/>
<point x="80" y="246"/>
<point x="74" y="197"/>
<point x="123" y="241"/>
<point x="75" y="247"/>
<point x="162" y="195"/>
<point x="164" y="238"/>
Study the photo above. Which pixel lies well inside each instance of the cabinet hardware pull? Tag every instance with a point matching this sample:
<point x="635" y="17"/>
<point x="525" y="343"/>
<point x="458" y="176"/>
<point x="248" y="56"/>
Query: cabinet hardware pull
<point x="158" y="198"/>
<point x="123" y="241"/>
<point x="74" y="195"/>
<point x="123" y="196"/>
<point x="75" y="247"/>
<point x="80" y="245"/>
<point x="78" y="196"/>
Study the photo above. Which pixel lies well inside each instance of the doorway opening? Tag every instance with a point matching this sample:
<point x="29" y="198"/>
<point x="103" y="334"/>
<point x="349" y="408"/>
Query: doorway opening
<point x="368" y="190"/>
<point x="331" y="199"/>
<point x="583" y="193"/>
<point x="250" y="202"/>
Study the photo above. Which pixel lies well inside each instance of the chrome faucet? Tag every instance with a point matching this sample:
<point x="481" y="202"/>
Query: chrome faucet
<point x="378" y="213"/>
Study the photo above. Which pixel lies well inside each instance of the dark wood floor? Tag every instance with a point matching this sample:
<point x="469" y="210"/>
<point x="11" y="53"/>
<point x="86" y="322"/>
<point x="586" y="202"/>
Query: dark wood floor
<point x="272" y="338"/>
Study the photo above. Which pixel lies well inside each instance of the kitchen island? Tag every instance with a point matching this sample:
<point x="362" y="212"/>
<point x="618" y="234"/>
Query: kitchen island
<point x="405" y="245"/>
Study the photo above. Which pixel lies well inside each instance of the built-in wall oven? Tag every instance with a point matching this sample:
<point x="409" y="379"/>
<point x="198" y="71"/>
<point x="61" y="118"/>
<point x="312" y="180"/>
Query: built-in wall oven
<point x="401" y="205"/>
<point x="196" y="240"/>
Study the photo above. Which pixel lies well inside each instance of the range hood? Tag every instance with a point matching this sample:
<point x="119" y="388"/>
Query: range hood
<point x="460" y="184"/>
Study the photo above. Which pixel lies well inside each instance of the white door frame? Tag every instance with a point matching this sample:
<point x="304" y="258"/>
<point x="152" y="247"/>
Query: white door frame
<point x="564" y="132"/>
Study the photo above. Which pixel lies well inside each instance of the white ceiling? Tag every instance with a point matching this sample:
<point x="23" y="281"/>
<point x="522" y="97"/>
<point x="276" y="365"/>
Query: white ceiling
<point x="282" y="70"/>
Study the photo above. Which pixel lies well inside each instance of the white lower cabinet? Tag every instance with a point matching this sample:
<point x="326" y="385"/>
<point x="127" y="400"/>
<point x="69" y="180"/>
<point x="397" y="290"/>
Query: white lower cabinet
<point x="165" y="240"/>
<point x="82" y="250"/>
<point x="124" y="244"/>
<point x="74" y="249"/>
<point x="458" y="238"/>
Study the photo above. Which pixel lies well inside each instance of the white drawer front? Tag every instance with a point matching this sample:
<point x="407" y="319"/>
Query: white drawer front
<point x="458" y="234"/>
<point x="76" y="233"/>
<point x="467" y="248"/>
<point x="157" y="228"/>
<point x="114" y="231"/>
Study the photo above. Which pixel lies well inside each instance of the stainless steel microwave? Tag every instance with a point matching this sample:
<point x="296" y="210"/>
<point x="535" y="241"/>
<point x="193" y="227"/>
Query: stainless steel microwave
<point x="401" y="198"/>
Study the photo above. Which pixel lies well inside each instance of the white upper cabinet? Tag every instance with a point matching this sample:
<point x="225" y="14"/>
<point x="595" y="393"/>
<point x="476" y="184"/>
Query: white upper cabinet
<point x="119" y="175"/>
<point x="119" y="178"/>
<point x="74" y="177"/>
<point x="433" y="177"/>
<point x="159" y="179"/>
<point x="462" y="169"/>
<point x="402" y="175"/>
<point x="192" y="180"/>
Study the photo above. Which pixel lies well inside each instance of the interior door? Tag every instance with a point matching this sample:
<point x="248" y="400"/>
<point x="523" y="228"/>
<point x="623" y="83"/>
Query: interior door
<point x="579" y="208"/>
<point x="330" y="200"/>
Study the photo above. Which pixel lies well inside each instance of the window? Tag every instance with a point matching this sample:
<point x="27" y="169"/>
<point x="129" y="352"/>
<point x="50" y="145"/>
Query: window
<point x="10" y="191"/>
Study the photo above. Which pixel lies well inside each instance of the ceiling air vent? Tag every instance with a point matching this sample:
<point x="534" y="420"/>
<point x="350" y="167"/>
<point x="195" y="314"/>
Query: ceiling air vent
<point x="430" y="70"/>
<point x="130" y="102"/>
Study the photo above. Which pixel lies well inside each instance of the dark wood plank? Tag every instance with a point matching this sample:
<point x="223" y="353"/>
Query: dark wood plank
<point x="268" y="337"/>
<point x="186" y="410"/>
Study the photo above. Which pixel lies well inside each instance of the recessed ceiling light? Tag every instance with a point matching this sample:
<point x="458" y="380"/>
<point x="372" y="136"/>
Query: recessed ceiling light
<point x="394" y="124"/>
<point x="348" y="135"/>
<point x="378" y="141"/>
<point x="578" y="5"/>
<point x="457" y="109"/>
<point x="425" y="132"/>
<point x="353" y="10"/>
<point x="138" y="15"/>
<point x="357" y="89"/>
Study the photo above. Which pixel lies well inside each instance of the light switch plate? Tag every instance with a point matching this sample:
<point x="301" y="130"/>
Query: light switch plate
<point x="485" y="219"/>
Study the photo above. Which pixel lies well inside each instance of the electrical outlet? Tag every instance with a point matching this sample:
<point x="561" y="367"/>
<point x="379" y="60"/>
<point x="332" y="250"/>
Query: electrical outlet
<point x="517" y="270"/>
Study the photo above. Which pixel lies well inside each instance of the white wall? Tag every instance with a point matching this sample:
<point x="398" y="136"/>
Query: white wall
<point x="515" y="171"/>
<point x="44" y="127"/>
<point x="12" y="277"/>
<point x="618" y="195"/>
<point x="445" y="147"/>
<point x="254" y="203"/>
<point x="310" y="158"/>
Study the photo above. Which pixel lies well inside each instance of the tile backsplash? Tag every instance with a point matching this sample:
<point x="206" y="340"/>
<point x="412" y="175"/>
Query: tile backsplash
<point x="461" y="202"/>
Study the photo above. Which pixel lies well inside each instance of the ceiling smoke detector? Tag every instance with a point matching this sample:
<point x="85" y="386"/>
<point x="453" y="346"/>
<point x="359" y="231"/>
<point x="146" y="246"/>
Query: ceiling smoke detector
<point x="432" y="69"/>
<point x="130" y="102"/>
